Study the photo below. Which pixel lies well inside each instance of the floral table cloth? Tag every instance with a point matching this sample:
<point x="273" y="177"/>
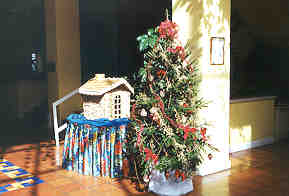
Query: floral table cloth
<point x="94" y="147"/>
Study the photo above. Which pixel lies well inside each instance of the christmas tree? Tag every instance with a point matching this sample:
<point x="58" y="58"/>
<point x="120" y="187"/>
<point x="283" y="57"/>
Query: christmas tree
<point x="165" y="133"/>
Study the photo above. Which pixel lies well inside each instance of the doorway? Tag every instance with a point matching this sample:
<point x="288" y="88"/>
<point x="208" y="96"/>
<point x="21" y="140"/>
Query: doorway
<point x="108" y="32"/>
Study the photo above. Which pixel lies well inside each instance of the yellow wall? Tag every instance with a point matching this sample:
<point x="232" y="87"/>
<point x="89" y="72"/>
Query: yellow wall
<point x="199" y="20"/>
<point x="251" y="120"/>
<point x="63" y="49"/>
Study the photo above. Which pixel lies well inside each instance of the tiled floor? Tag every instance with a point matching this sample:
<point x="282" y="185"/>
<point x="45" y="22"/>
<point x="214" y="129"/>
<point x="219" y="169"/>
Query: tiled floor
<point x="261" y="171"/>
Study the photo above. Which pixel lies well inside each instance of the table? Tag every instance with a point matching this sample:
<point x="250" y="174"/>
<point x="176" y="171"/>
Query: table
<point x="94" y="147"/>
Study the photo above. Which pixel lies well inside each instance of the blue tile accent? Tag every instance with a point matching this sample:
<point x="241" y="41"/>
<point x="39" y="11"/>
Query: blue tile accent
<point x="20" y="179"/>
<point x="3" y="189"/>
<point x="7" y="163"/>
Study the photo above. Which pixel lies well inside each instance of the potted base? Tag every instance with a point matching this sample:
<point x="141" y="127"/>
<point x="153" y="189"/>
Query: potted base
<point x="171" y="186"/>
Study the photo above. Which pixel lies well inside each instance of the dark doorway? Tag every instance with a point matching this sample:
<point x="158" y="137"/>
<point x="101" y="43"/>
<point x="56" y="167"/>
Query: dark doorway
<point x="108" y="32"/>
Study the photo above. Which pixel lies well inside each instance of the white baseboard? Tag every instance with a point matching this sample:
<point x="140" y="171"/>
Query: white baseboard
<point x="214" y="167"/>
<point x="253" y="144"/>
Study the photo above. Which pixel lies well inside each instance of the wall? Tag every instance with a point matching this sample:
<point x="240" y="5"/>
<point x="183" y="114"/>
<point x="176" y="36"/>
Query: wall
<point x="108" y="33"/>
<point x="251" y="122"/>
<point x="267" y="19"/>
<point x="22" y="97"/>
<point x="260" y="39"/>
<point x="281" y="122"/>
<point x="199" y="21"/>
<point x="63" y="49"/>
<point x="8" y="100"/>
<point x="99" y="37"/>
<point x="21" y="32"/>
<point x="30" y="94"/>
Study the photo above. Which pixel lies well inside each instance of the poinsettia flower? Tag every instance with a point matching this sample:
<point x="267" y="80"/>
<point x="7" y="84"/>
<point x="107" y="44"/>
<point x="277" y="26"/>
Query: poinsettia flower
<point x="149" y="155"/>
<point x="187" y="130"/>
<point x="168" y="29"/>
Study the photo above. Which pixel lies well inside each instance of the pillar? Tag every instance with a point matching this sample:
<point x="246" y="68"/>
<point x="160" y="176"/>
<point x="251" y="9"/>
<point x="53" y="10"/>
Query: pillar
<point x="63" y="53"/>
<point x="199" y="21"/>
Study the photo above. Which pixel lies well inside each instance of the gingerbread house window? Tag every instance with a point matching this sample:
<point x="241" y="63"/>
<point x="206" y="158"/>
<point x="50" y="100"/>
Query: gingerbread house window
<point x="117" y="106"/>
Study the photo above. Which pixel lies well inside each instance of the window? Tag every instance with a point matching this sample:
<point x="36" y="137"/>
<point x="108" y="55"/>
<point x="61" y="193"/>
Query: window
<point x="117" y="107"/>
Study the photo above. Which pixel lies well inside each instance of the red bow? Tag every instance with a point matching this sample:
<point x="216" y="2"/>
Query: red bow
<point x="150" y="155"/>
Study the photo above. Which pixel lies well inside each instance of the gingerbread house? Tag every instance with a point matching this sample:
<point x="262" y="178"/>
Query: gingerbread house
<point x="106" y="98"/>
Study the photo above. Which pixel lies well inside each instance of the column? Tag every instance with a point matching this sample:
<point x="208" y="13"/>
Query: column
<point x="199" y="21"/>
<point x="63" y="52"/>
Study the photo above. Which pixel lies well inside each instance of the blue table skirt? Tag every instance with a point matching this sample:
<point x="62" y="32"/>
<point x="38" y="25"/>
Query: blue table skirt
<point x="94" y="147"/>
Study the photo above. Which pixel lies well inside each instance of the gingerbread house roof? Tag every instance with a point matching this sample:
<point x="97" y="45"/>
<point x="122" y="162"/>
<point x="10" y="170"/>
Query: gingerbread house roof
<point x="100" y="85"/>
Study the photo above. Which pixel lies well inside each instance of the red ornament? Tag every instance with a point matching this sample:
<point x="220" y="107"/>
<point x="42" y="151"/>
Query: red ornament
<point x="161" y="73"/>
<point x="210" y="156"/>
<point x="177" y="174"/>
<point x="167" y="175"/>
<point x="203" y="132"/>
<point x="183" y="176"/>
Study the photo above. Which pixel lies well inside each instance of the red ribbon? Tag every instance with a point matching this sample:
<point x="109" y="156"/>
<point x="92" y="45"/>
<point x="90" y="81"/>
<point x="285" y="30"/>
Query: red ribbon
<point x="140" y="125"/>
<point x="139" y="134"/>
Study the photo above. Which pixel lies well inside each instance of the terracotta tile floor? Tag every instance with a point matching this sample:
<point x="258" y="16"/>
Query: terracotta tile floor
<point x="260" y="171"/>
